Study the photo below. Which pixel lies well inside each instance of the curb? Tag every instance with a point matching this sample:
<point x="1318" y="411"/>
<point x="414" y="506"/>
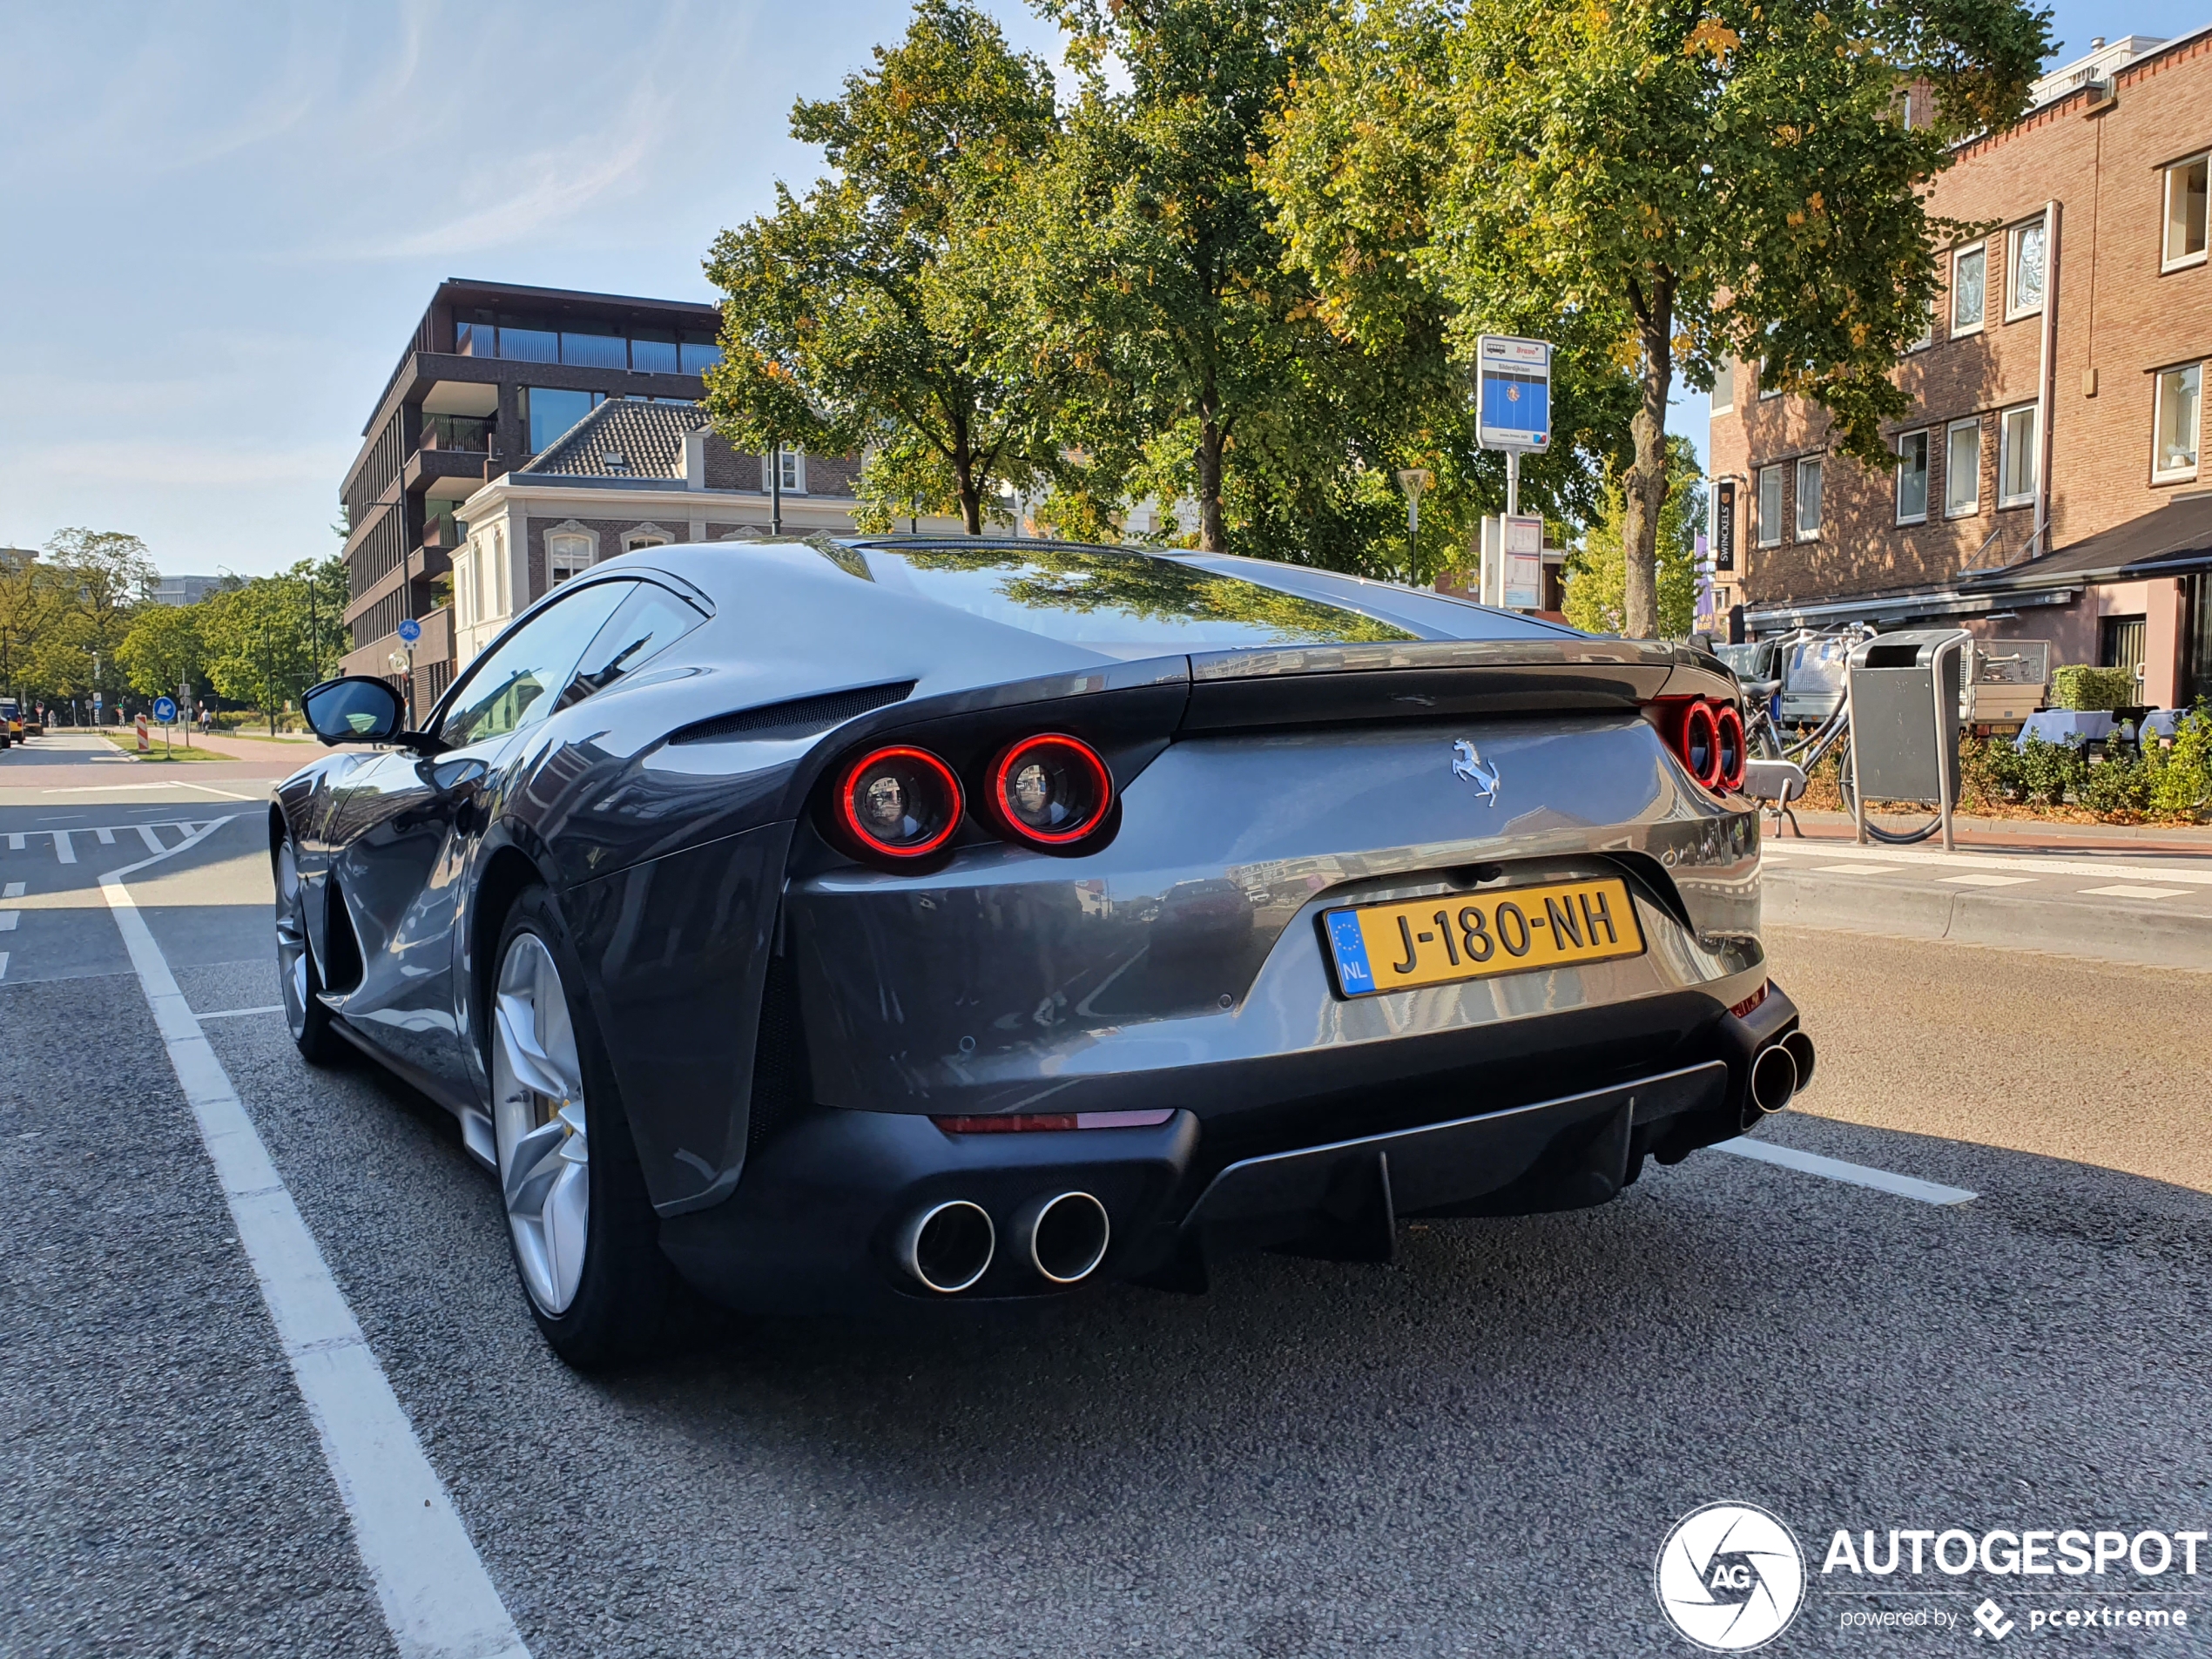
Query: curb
<point x="2134" y="936"/>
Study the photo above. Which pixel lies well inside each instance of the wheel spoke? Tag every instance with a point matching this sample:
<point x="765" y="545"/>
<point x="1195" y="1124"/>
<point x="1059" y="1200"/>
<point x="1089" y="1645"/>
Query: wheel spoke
<point x="541" y="1124"/>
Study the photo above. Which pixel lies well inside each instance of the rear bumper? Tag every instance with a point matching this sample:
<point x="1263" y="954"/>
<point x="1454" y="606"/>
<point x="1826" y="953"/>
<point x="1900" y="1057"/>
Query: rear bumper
<point x="813" y="1221"/>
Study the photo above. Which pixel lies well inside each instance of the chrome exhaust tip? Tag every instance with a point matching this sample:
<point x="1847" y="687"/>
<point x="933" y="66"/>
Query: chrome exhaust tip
<point x="1064" y="1236"/>
<point x="1800" y="1048"/>
<point x="1774" y="1078"/>
<point x="948" y="1246"/>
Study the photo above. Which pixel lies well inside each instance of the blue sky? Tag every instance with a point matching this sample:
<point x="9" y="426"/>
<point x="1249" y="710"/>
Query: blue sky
<point x="222" y="221"/>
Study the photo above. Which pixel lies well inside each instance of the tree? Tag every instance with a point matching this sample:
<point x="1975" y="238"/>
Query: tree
<point x="1679" y="183"/>
<point x="259" y="638"/>
<point x="162" y="649"/>
<point x="867" y="314"/>
<point x="100" y="578"/>
<point x="29" y="602"/>
<point x="1596" y="573"/>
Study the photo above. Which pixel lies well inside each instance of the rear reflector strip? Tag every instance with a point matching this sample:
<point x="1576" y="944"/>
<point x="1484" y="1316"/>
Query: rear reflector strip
<point x="1005" y="1123"/>
<point x="1749" y="1002"/>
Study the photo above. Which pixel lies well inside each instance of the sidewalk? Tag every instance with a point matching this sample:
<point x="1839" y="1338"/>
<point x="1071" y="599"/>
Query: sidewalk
<point x="2025" y="835"/>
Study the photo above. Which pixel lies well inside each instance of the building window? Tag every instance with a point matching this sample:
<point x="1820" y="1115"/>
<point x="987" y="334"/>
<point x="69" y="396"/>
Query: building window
<point x="1769" y="383"/>
<point x="698" y="352"/>
<point x="1968" y="268"/>
<point x="1808" y="499"/>
<point x="652" y="351"/>
<point x="637" y="539"/>
<point x="2119" y="643"/>
<point x="2024" y="271"/>
<point x="1912" y="478"/>
<point x="2179" y="399"/>
<point x="2016" y="457"/>
<point x="594" y="348"/>
<point x="1962" y="469"/>
<point x="2185" y="214"/>
<point x="1770" y="506"/>
<point x="1927" y="328"/>
<point x="566" y="556"/>
<point x="792" y="470"/>
<point x="551" y="411"/>
<point x="1725" y="385"/>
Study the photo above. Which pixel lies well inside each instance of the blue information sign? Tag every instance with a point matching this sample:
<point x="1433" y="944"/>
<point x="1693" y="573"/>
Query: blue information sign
<point x="1513" y="393"/>
<point x="164" y="709"/>
<point x="410" y="630"/>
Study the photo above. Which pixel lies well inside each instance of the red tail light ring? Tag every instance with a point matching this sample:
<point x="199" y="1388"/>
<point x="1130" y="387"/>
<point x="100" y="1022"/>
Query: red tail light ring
<point x="1731" y="751"/>
<point x="1049" y="790"/>
<point x="1701" y="743"/>
<point x="898" y="802"/>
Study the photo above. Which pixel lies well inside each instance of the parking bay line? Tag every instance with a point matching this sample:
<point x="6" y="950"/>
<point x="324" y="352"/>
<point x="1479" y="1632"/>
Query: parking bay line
<point x="1857" y="1175"/>
<point x="437" y="1597"/>
<point x="240" y="1014"/>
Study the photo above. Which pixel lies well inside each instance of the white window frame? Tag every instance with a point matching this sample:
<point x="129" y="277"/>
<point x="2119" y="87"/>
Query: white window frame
<point x="584" y="539"/>
<point x="1766" y="391"/>
<point x="2014" y="239"/>
<point x="1728" y="371"/>
<point x="2005" y="421"/>
<point x="2168" y="260"/>
<point x="1759" y="506"/>
<point x="1897" y="488"/>
<point x="1813" y="464"/>
<point x="794" y="464"/>
<point x="2174" y="474"/>
<point x="1958" y="255"/>
<point x="1973" y="507"/>
<point x="1927" y="329"/>
<point x="646" y="535"/>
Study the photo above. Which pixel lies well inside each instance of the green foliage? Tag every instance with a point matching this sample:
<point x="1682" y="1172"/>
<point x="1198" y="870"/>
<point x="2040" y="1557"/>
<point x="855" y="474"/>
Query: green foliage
<point x="162" y="649"/>
<point x="1596" y="573"/>
<point x="264" y="643"/>
<point x="873" y="314"/>
<point x="2079" y="686"/>
<point x="2179" y="782"/>
<point x="1663" y="187"/>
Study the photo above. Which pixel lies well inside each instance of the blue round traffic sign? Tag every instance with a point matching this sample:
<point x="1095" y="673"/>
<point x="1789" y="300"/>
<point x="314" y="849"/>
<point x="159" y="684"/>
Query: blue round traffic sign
<point x="410" y="630"/>
<point x="164" y="709"/>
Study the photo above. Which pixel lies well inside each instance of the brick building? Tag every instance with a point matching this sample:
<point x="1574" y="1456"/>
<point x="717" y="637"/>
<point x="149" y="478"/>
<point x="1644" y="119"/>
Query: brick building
<point x="2049" y="480"/>
<point x="633" y="473"/>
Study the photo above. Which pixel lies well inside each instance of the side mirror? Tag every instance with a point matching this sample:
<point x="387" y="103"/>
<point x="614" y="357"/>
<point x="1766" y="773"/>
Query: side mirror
<point x="359" y="709"/>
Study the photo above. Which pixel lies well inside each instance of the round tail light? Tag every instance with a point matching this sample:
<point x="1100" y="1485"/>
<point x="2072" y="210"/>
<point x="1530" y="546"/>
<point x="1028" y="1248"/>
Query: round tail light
<point x="1701" y="743"/>
<point x="1731" y="752"/>
<point x="899" y="802"/>
<point x="1050" y="790"/>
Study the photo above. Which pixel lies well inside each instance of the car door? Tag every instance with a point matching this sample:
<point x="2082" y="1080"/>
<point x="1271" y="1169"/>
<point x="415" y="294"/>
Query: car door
<point x="412" y="820"/>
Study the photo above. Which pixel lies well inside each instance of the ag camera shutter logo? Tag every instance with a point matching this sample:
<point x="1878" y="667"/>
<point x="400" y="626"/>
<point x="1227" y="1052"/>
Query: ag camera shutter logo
<point x="1730" y="1577"/>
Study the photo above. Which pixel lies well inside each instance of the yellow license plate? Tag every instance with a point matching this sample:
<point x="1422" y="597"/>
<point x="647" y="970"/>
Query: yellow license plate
<point x="1476" y="935"/>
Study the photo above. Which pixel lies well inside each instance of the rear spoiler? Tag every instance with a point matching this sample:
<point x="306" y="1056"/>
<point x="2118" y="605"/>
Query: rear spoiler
<point x="1237" y="689"/>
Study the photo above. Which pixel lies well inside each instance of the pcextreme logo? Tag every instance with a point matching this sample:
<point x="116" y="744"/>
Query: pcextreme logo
<point x="1730" y="1577"/>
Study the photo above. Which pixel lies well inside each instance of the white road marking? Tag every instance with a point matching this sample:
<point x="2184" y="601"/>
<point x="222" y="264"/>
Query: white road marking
<point x="159" y="783"/>
<point x="437" y="1598"/>
<point x="107" y="837"/>
<point x="2023" y="864"/>
<point x="1974" y="878"/>
<point x="153" y="841"/>
<point x="2123" y="890"/>
<point x="1857" y="1175"/>
<point x="4" y="964"/>
<point x="8" y="920"/>
<point x="1854" y="869"/>
<point x="15" y="843"/>
<point x="14" y="891"/>
<point x="240" y="1014"/>
<point x="65" y="849"/>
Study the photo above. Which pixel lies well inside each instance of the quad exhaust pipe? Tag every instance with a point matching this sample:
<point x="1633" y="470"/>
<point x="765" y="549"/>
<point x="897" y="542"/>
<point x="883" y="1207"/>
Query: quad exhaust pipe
<point x="1779" y="1070"/>
<point x="948" y="1247"/>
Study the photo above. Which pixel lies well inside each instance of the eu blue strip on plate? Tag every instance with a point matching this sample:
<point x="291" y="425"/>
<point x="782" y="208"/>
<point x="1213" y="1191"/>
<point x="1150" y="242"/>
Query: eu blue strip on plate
<point x="1351" y="952"/>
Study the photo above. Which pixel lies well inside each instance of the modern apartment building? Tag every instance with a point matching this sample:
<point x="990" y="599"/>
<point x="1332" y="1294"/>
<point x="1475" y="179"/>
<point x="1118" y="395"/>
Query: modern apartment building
<point x="492" y="375"/>
<point x="183" y="589"/>
<point x="2049" y="481"/>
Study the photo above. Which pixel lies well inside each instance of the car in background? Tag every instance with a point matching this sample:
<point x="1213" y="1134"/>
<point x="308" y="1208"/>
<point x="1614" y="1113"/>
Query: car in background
<point x="841" y="923"/>
<point x="11" y="730"/>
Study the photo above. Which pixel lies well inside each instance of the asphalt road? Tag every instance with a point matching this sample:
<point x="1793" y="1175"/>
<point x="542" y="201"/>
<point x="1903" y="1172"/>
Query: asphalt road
<point x="1478" y="1450"/>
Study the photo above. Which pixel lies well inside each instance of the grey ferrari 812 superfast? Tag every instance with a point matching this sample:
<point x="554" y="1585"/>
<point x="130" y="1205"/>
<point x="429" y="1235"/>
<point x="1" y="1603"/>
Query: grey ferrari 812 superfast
<point x="833" y="923"/>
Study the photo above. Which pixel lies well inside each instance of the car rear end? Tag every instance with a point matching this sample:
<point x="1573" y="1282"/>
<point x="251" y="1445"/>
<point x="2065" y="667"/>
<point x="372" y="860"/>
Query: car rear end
<point x="1361" y="930"/>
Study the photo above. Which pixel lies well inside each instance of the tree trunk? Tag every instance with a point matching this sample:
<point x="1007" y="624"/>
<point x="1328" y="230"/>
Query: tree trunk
<point x="1646" y="485"/>
<point x="971" y="498"/>
<point x="1213" y="533"/>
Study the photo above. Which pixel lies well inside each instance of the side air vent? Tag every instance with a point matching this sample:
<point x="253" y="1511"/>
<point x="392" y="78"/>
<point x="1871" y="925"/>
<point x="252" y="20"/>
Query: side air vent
<point x="800" y="717"/>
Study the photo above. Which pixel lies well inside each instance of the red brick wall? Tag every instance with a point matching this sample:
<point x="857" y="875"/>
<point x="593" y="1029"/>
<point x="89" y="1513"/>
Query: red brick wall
<point x="2115" y="316"/>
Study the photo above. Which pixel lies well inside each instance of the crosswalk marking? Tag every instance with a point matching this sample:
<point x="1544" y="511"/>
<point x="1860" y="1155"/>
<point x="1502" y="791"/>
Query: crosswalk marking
<point x="4" y="964"/>
<point x="152" y="841"/>
<point x="14" y="844"/>
<point x="65" y="846"/>
<point x="8" y="920"/>
<point x="65" y="849"/>
<point x="14" y="891"/>
<point x="1854" y="869"/>
<point x="1972" y="880"/>
<point x="107" y="837"/>
<point x="2123" y="890"/>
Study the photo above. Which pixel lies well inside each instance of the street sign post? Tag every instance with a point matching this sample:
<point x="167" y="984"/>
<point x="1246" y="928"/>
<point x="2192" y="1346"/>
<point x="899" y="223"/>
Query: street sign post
<point x="410" y="630"/>
<point x="1513" y="401"/>
<point x="164" y="710"/>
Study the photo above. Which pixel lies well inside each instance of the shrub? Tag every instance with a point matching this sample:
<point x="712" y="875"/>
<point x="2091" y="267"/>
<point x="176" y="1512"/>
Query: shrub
<point x="2079" y="687"/>
<point x="1989" y="771"/>
<point x="2179" y="779"/>
<point x="2048" y="771"/>
<point x="2121" y="787"/>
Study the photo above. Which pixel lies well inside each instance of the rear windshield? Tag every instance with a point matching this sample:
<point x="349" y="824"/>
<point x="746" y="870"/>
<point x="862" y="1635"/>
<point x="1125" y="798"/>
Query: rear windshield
<point x="1121" y="604"/>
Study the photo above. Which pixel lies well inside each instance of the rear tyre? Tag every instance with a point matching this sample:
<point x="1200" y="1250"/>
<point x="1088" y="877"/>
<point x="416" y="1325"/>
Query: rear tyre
<point x="586" y="1241"/>
<point x="304" y="1012"/>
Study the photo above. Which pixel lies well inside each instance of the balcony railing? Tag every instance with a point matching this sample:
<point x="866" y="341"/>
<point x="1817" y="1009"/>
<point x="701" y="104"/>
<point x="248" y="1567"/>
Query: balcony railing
<point x="440" y="530"/>
<point x="471" y="435"/>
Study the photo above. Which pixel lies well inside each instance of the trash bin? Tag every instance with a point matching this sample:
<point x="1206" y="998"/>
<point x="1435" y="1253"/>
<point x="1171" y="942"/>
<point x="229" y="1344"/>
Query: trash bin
<point x="1905" y="691"/>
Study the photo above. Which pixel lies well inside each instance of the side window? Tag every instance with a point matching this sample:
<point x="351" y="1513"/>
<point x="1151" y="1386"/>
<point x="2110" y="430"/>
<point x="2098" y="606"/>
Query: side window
<point x="650" y="621"/>
<point x="512" y="686"/>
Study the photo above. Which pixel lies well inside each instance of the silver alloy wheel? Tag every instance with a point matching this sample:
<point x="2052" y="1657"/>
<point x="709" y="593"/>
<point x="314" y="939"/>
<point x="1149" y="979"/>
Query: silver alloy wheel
<point x="292" y="939"/>
<point x="537" y="1116"/>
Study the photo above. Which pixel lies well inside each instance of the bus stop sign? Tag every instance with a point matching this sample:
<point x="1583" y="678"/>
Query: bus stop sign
<point x="1512" y="393"/>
